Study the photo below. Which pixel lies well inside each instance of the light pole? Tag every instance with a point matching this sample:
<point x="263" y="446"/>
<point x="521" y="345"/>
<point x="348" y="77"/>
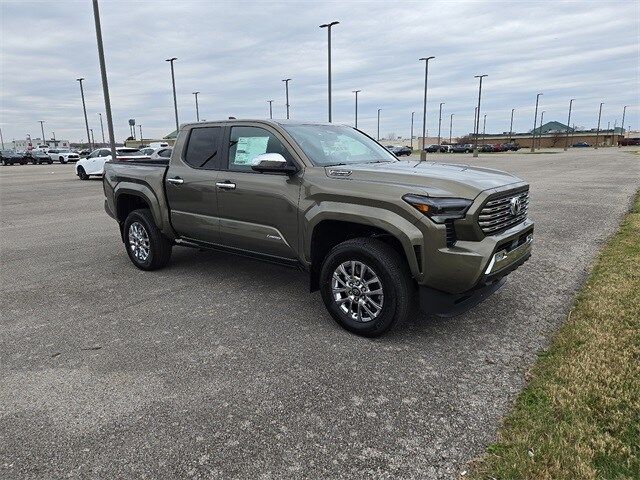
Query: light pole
<point x="440" y="122"/>
<point x="42" y="130"/>
<point x="140" y="127"/>
<point x="423" y="153"/>
<point x="328" y="27"/>
<point x="378" y="138"/>
<point x="55" y="143"/>
<point x="624" y="111"/>
<point x="1" y="139"/>
<point x="598" y="129"/>
<point x="535" y="120"/>
<point x="450" y="126"/>
<point x="540" y="134"/>
<point x="484" y="127"/>
<point x="92" y="139"/>
<point x="412" y="114"/>
<point x="101" y="128"/>
<point x="84" y="109"/>
<point x="286" y="92"/>
<point x="195" y="94"/>
<point x="566" y="137"/>
<point x="173" y="83"/>
<point x="477" y="119"/>
<point x="511" y="126"/>
<point x="270" y="108"/>
<point x="356" y="116"/>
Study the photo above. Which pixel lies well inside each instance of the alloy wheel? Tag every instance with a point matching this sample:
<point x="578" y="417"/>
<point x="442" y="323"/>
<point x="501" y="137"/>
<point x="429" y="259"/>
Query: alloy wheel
<point x="357" y="290"/>
<point x="139" y="241"/>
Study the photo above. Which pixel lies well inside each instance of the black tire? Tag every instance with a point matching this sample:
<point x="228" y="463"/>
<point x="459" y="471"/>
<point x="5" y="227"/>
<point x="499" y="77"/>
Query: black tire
<point x="5" y="163"/>
<point x="82" y="174"/>
<point x="50" y="162"/>
<point x="62" y="160"/>
<point x="159" y="252"/>
<point x="398" y="287"/>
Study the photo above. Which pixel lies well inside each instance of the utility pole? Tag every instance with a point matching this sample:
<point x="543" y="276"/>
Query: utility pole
<point x="84" y="108"/>
<point x="356" y="115"/>
<point x="270" y="108"/>
<point x="566" y="138"/>
<point x="440" y="122"/>
<point x="173" y="83"/>
<point x="197" y="109"/>
<point x="101" y="128"/>
<point x="42" y="130"/>
<point x="328" y="27"/>
<point x="477" y="119"/>
<point x="540" y="134"/>
<point x="450" y="126"/>
<point x="412" y="113"/>
<point x="598" y="130"/>
<point x="423" y="153"/>
<point x="378" y="138"/>
<point x="286" y="91"/>
<point x="105" y="84"/>
<point x="624" y="111"/>
<point x="484" y="127"/>
<point x="535" y="120"/>
<point x="511" y="126"/>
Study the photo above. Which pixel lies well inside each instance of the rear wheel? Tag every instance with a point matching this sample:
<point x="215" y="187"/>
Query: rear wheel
<point x="146" y="246"/>
<point x="82" y="174"/>
<point x="62" y="160"/>
<point x="367" y="287"/>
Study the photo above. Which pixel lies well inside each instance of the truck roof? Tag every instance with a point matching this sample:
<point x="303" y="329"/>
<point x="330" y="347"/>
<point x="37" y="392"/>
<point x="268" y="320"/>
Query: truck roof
<point x="274" y="121"/>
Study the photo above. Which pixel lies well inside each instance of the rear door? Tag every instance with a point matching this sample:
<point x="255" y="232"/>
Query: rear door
<point x="258" y="211"/>
<point x="191" y="185"/>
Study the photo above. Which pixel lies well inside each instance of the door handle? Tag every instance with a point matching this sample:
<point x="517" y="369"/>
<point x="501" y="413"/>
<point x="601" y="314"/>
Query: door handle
<point x="175" y="181"/>
<point x="226" y="185"/>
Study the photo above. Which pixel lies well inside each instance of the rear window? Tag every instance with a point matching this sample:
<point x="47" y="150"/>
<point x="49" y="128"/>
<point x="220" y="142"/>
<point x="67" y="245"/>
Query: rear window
<point x="203" y="148"/>
<point x="127" y="153"/>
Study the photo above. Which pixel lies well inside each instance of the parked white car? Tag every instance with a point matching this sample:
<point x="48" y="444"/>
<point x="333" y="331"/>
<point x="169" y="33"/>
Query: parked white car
<point x="94" y="163"/>
<point x="63" y="155"/>
<point x="158" y="153"/>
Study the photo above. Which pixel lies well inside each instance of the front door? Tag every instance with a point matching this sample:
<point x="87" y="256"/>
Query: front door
<point x="258" y="211"/>
<point x="191" y="186"/>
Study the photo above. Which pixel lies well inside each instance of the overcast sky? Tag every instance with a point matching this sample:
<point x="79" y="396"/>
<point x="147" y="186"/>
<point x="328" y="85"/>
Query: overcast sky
<point x="236" y="53"/>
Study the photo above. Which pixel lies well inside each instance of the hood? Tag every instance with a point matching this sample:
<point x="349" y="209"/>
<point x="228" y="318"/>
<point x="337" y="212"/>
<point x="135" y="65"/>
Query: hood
<point x="428" y="178"/>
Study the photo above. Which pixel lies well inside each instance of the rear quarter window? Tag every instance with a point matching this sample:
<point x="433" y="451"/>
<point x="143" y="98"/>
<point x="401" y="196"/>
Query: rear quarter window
<point x="203" y="147"/>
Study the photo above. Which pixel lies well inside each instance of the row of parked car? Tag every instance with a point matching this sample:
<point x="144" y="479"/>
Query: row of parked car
<point x="38" y="156"/>
<point x="468" y="148"/>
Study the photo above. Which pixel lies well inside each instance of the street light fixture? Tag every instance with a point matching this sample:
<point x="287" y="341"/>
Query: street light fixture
<point x="598" y="129"/>
<point x="378" y="138"/>
<point x="423" y="153"/>
<point x="328" y="27"/>
<point x="356" y="115"/>
<point x="566" y="137"/>
<point x="197" y="109"/>
<point x="286" y="91"/>
<point x="440" y="122"/>
<point x="535" y="120"/>
<point x="84" y="109"/>
<point x="477" y="119"/>
<point x="173" y="83"/>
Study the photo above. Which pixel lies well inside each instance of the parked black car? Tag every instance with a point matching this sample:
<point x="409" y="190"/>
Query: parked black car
<point x="432" y="148"/>
<point x="581" y="145"/>
<point x="38" y="157"/>
<point x="511" y="146"/>
<point x="462" y="148"/>
<point x="400" y="150"/>
<point x="486" y="148"/>
<point x="9" y="157"/>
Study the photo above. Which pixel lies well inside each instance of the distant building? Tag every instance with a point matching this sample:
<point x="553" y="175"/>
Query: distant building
<point x="169" y="139"/>
<point x="26" y="144"/>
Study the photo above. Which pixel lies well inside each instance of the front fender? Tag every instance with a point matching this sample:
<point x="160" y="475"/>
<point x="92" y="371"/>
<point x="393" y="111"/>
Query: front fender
<point x="402" y="229"/>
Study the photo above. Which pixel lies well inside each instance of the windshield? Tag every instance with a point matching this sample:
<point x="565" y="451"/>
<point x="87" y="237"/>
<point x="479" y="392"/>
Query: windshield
<point x="331" y="145"/>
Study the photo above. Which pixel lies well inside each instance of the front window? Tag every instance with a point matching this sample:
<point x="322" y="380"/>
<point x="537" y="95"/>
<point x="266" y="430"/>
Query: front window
<point x="331" y="145"/>
<point x="246" y="143"/>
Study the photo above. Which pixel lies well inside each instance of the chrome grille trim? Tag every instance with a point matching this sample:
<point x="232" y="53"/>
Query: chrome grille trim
<point x="496" y="216"/>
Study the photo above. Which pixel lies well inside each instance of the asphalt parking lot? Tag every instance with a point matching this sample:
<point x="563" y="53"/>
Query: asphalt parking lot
<point x="223" y="367"/>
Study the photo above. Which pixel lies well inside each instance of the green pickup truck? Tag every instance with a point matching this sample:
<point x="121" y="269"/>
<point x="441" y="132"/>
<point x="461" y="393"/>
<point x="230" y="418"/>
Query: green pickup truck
<point x="379" y="237"/>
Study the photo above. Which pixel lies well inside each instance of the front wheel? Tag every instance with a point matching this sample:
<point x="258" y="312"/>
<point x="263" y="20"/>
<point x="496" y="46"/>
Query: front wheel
<point x="62" y="160"/>
<point x="146" y="246"/>
<point x="82" y="174"/>
<point x="367" y="287"/>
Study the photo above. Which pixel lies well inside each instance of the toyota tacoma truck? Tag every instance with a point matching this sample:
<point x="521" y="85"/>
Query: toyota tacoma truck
<point x="379" y="237"/>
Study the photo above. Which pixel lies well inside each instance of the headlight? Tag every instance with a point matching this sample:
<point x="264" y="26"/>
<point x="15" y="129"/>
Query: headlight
<point x="439" y="209"/>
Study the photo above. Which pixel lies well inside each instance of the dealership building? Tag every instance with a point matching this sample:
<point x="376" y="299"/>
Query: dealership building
<point x="29" y="143"/>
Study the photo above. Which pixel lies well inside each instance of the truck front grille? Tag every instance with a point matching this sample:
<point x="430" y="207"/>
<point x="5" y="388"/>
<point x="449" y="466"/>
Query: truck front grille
<point x="503" y="211"/>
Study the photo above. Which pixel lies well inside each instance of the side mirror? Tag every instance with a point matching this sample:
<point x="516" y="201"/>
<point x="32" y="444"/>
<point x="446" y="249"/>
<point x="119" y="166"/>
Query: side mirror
<point x="272" y="163"/>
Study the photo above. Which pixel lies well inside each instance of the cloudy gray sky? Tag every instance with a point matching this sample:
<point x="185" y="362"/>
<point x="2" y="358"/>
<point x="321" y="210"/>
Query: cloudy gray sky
<point x="236" y="53"/>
